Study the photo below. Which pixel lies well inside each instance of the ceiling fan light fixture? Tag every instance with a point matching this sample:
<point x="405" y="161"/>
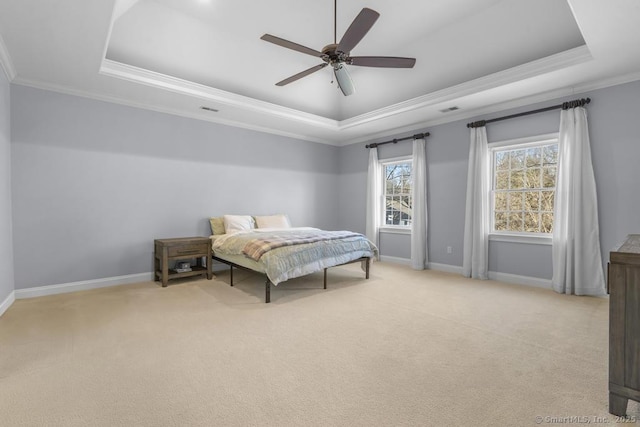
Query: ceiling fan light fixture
<point x="344" y="79"/>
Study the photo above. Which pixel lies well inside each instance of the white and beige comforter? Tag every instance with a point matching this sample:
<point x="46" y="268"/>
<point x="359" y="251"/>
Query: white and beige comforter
<point x="294" y="252"/>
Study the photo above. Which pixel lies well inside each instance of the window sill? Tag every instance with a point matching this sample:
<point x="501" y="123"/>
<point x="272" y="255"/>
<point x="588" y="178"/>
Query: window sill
<point x="394" y="230"/>
<point x="520" y="238"/>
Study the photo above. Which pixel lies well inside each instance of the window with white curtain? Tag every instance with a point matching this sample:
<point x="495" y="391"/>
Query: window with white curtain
<point x="396" y="193"/>
<point x="523" y="181"/>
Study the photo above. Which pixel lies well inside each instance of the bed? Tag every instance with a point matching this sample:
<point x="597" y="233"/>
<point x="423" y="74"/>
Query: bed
<point x="280" y="252"/>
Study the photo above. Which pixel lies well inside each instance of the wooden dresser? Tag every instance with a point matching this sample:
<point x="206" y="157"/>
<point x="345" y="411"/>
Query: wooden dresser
<point x="624" y="325"/>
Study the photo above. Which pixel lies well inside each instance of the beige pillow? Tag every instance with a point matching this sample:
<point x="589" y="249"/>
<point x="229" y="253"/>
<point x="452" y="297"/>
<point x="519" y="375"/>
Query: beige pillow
<point x="273" y="221"/>
<point x="235" y="223"/>
<point x="217" y="225"/>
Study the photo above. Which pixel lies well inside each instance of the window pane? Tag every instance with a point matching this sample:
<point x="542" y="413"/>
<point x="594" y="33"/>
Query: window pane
<point x="534" y="156"/>
<point x="533" y="178"/>
<point x="500" y="221"/>
<point x="500" y="201"/>
<point x="502" y="180"/>
<point x="550" y="154"/>
<point x="515" y="221"/>
<point x="517" y="179"/>
<point x="532" y="201"/>
<point x="547" y="200"/>
<point x="515" y="201"/>
<point x="547" y="223"/>
<point x="406" y="185"/>
<point x="517" y="159"/>
<point x="549" y="177"/>
<point x="389" y="187"/>
<point x="532" y="222"/>
<point x="404" y="207"/>
<point x="502" y="160"/>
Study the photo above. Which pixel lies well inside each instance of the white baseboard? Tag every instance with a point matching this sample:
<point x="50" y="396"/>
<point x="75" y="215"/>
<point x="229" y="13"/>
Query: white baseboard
<point x="496" y="275"/>
<point x="520" y="280"/>
<point x="395" y="260"/>
<point x="82" y="286"/>
<point x="145" y="277"/>
<point x="448" y="268"/>
<point x="4" y="306"/>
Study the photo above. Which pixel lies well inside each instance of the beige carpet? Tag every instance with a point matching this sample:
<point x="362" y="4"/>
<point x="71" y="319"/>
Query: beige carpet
<point x="403" y="348"/>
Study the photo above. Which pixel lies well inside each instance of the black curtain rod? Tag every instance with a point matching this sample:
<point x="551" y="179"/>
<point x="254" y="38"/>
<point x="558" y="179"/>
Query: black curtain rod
<point x="395" y="141"/>
<point x="565" y="106"/>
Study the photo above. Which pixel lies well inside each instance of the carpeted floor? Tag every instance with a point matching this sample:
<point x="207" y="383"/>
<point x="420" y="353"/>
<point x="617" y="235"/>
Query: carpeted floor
<point x="414" y="348"/>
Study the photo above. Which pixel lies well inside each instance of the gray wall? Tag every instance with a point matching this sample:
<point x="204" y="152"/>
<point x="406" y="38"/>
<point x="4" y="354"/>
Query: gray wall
<point x="6" y="245"/>
<point x="94" y="183"/>
<point x="615" y="147"/>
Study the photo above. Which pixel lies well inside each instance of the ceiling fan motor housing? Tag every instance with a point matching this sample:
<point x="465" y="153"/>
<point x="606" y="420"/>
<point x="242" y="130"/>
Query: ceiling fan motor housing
<point x="333" y="56"/>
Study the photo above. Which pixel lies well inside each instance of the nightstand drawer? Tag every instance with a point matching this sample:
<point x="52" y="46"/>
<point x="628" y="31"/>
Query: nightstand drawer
<point x="192" y="249"/>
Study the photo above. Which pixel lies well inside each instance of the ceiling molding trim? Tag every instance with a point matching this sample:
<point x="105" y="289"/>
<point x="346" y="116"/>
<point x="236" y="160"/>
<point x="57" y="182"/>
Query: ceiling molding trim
<point x="117" y="5"/>
<point x="500" y="107"/>
<point x="181" y="113"/>
<point x="176" y="85"/>
<point x="535" y="68"/>
<point x="6" y="62"/>
<point x="604" y="83"/>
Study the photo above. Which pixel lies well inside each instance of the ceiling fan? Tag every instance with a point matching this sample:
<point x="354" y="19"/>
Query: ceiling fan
<point x="339" y="54"/>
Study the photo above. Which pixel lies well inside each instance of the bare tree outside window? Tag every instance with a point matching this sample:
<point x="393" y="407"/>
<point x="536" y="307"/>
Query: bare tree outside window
<point x="397" y="194"/>
<point x="524" y="182"/>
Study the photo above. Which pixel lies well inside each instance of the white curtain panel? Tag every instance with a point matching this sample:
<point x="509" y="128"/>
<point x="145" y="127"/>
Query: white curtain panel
<point x="374" y="197"/>
<point x="577" y="261"/>
<point x="419" y="252"/>
<point x="475" y="261"/>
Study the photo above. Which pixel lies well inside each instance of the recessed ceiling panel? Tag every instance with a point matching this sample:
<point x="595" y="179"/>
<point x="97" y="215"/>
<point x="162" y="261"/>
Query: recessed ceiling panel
<point x="217" y="43"/>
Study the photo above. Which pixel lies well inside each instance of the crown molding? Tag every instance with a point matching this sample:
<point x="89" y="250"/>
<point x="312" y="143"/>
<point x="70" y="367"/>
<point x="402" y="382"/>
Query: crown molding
<point x="535" y="68"/>
<point x="545" y="65"/>
<point x="181" y="86"/>
<point x="175" y="112"/>
<point x="548" y="64"/>
<point x="501" y="106"/>
<point x="446" y="118"/>
<point x="5" y="61"/>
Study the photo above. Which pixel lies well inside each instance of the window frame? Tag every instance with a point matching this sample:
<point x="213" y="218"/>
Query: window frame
<point x="519" y="143"/>
<point x="384" y="227"/>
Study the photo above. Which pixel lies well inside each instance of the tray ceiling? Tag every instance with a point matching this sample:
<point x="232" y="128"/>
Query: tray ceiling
<point x="179" y="55"/>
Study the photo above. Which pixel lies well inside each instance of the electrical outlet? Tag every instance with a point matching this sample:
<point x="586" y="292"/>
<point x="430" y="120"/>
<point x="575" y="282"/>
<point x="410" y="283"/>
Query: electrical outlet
<point x="449" y="249"/>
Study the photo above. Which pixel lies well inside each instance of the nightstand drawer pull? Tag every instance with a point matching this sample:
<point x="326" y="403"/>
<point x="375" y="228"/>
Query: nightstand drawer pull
<point x="189" y="251"/>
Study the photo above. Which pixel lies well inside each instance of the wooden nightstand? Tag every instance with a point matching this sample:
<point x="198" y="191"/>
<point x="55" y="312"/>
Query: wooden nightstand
<point x="182" y="248"/>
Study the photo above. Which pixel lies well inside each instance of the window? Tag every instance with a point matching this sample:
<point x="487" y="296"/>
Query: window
<point x="523" y="186"/>
<point x="397" y="183"/>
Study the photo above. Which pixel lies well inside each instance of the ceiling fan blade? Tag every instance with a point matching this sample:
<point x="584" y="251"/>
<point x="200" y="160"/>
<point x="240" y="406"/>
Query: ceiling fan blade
<point x="301" y="74"/>
<point x="382" y="61"/>
<point x="344" y="80"/>
<point x="291" y="45"/>
<point x="357" y="30"/>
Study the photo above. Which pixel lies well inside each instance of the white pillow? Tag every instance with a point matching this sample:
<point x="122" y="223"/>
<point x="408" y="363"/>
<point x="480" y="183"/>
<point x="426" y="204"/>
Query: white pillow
<point x="235" y="223"/>
<point x="273" y="221"/>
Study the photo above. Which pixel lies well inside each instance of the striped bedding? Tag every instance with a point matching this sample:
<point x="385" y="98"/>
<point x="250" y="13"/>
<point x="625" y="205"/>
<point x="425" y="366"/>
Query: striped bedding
<point x="295" y="252"/>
